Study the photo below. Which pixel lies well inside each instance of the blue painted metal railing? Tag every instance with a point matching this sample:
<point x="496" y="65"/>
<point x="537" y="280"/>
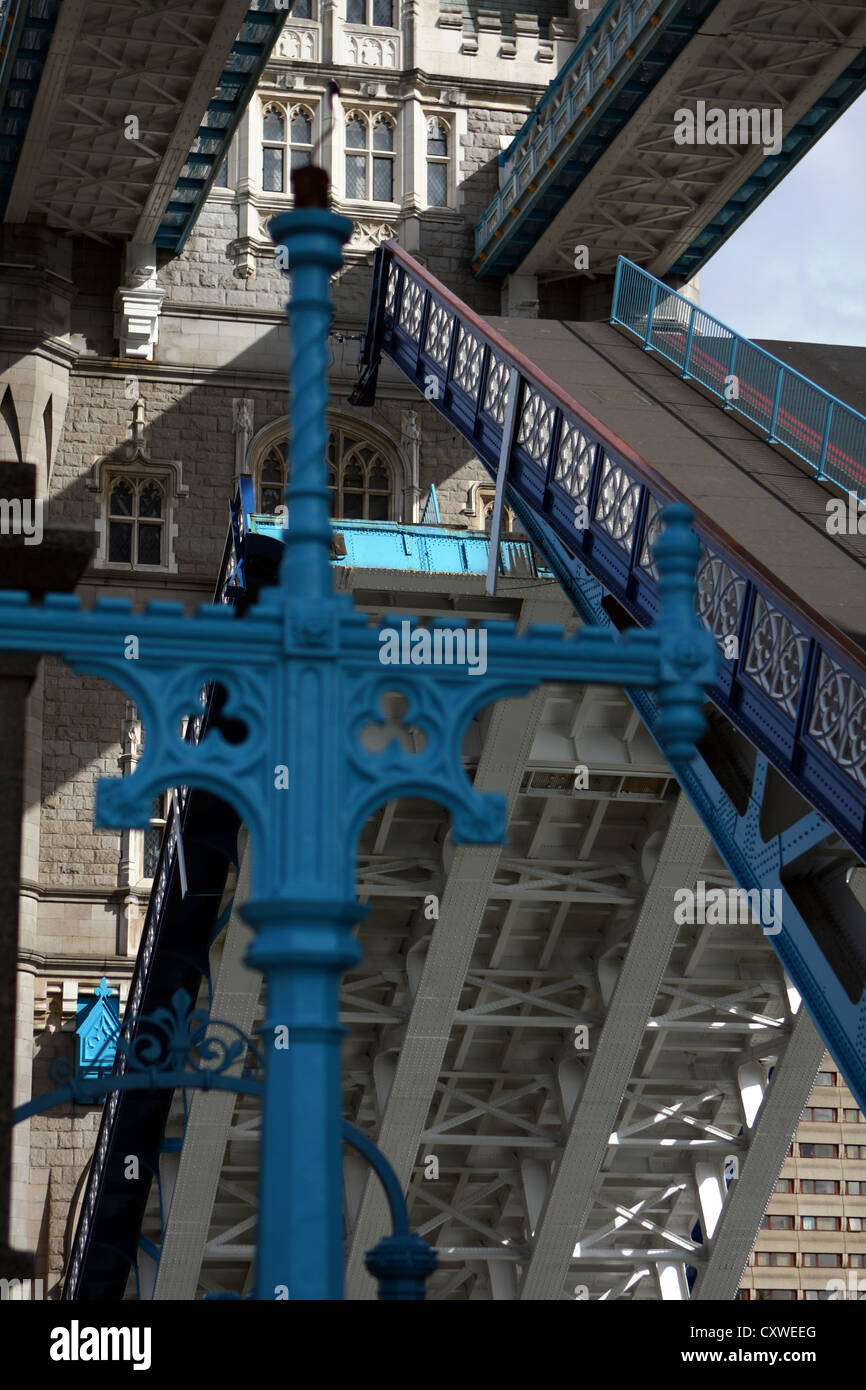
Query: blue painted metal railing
<point x="790" y="409"/>
<point x="605" y="77"/>
<point x="796" y="686"/>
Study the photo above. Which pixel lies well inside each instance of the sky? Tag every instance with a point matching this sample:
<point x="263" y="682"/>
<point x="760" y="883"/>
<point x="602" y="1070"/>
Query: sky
<point x="796" y="270"/>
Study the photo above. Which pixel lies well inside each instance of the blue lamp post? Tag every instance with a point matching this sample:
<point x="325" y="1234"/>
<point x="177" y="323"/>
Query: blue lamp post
<point x="306" y="675"/>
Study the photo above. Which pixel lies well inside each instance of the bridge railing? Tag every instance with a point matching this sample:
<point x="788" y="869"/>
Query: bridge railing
<point x="623" y="29"/>
<point x="792" y="682"/>
<point x="788" y="408"/>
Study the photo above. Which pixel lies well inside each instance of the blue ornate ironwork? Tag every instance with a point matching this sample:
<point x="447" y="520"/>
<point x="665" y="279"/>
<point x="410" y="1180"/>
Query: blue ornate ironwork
<point x="805" y="715"/>
<point x="176" y="1047"/>
<point x="303" y="676"/>
<point x="819" y="428"/>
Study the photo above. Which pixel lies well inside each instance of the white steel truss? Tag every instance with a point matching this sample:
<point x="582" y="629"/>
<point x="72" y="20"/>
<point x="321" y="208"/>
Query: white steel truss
<point x="559" y="1073"/>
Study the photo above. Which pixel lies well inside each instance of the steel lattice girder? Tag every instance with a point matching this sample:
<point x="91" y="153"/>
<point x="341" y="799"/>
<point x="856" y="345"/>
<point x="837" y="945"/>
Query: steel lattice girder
<point x="631" y="190"/>
<point x="132" y="113"/>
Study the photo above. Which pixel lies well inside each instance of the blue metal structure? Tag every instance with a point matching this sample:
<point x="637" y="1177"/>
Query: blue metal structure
<point x="238" y="81"/>
<point x="181" y="1047"/>
<point x="179" y="926"/>
<point x="301" y="676"/>
<point x="615" y="66"/>
<point x="819" y="428"/>
<point x="96" y="1031"/>
<point x="795" y="688"/>
<point x="612" y="70"/>
<point x="26" y="30"/>
<point x="799" y="140"/>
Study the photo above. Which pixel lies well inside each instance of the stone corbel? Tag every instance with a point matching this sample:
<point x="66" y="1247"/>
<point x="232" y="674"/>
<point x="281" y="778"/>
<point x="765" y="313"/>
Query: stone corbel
<point x="138" y="303"/>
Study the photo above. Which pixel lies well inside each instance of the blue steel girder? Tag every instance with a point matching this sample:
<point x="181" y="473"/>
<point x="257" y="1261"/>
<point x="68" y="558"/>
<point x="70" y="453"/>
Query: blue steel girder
<point x="793" y="686"/>
<point x="616" y="65"/>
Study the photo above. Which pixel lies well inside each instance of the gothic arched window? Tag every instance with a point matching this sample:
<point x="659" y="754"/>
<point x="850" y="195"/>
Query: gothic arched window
<point x="287" y="143"/>
<point x="360" y="475"/>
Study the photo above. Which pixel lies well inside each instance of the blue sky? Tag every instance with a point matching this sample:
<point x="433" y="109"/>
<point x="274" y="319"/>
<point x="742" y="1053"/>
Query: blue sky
<point x="796" y="270"/>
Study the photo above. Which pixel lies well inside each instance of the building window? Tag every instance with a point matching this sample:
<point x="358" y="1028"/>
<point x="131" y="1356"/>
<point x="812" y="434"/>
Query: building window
<point x="824" y="1259"/>
<point x="856" y="1261"/>
<point x="825" y="1078"/>
<point x="856" y="1189"/>
<point x="855" y="1223"/>
<point x="855" y="1150"/>
<point x="778" y="1223"/>
<point x="783" y="1258"/>
<point x="136" y="521"/>
<point x="370" y="157"/>
<point x="437" y="162"/>
<point x="823" y="1150"/>
<point x="222" y="175"/>
<point x="785" y="1185"/>
<point x="287" y="143"/>
<point x="776" y="1295"/>
<point x="152" y="837"/>
<point x="852" y="1117"/>
<point x="301" y="9"/>
<point x="817" y="1295"/>
<point x="820" y="1114"/>
<point x="359" y="475"/>
<point x="820" y="1223"/>
<point x="379" y="14"/>
<point x="823" y="1186"/>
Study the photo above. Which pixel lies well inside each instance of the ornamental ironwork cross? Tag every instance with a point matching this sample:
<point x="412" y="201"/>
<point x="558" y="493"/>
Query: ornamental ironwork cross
<point x="305" y="674"/>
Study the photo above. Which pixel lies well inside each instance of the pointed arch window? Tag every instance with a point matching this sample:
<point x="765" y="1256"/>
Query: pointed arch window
<point x="360" y="474"/>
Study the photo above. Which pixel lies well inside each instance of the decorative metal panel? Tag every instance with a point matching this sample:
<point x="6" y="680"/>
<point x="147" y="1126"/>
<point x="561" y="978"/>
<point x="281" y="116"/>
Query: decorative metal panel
<point x="536" y="426"/>
<point x="776" y="656"/>
<point x="618" y="498"/>
<point x="838" y="718"/>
